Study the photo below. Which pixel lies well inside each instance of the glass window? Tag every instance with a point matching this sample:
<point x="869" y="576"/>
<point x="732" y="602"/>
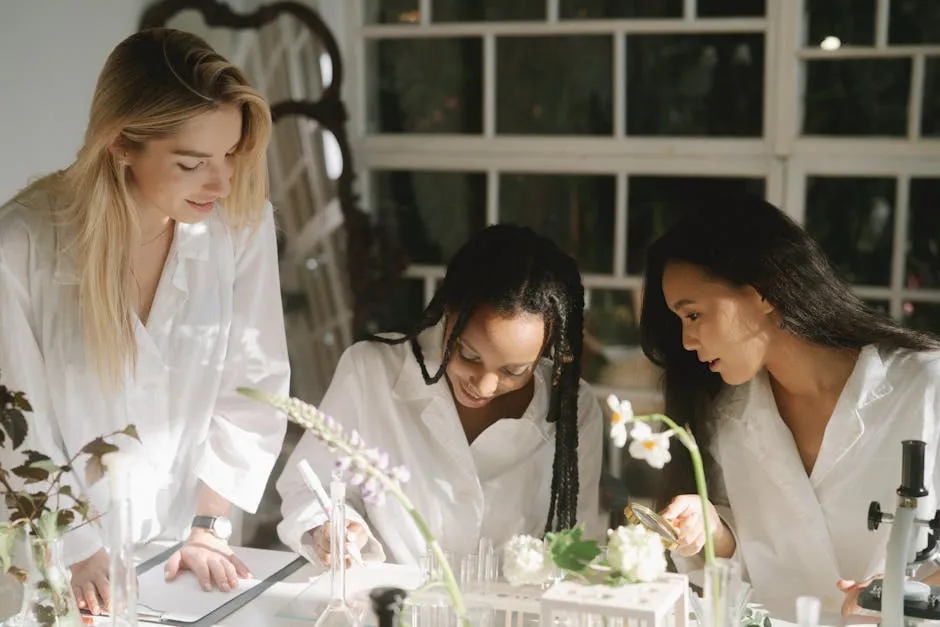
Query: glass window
<point x="708" y="85"/>
<point x="554" y="85"/>
<point x="576" y="211"/>
<point x="923" y="235"/>
<point x="486" y="10"/>
<point x="853" y="221"/>
<point x="434" y="213"/>
<point x="655" y="201"/>
<point x="425" y="85"/>
<point x="857" y="97"/>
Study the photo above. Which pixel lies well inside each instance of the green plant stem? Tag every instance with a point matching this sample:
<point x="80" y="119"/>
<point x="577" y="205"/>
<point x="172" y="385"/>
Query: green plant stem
<point x="688" y="440"/>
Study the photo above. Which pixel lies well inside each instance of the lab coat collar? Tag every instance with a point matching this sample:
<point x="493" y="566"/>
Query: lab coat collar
<point x="767" y="431"/>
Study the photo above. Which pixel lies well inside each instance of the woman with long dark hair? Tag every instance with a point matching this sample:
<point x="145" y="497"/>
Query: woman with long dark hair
<point x="799" y="391"/>
<point x="482" y="401"/>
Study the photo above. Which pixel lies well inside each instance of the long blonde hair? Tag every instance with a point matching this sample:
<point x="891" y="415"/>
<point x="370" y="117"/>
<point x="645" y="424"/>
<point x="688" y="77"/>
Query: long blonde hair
<point x="152" y="83"/>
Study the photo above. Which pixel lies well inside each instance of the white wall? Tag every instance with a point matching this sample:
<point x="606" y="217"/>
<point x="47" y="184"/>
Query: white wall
<point x="50" y="54"/>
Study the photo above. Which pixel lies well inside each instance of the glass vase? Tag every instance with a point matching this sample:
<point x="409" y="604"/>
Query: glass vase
<point x="48" y="600"/>
<point x="721" y="599"/>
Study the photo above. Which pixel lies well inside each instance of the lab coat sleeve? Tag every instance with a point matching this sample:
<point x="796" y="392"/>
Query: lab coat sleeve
<point x="22" y="368"/>
<point x="245" y="436"/>
<point x="300" y="510"/>
<point x="590" y="461"/>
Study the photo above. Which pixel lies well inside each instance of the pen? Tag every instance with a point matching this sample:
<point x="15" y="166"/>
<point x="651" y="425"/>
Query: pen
<point x="313" y="483"/>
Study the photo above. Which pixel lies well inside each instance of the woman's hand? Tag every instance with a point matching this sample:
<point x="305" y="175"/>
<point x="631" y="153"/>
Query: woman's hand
<point x="685" y="514"/>
<point x="90" y="583"/>
<point x="851" y="589"/>
<point x="321" y="540"/>
<point x="210" y="559"/>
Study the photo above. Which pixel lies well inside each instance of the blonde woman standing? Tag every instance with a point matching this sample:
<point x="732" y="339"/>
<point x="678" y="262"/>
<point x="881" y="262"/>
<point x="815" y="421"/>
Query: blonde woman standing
<point x="140" y="285"/>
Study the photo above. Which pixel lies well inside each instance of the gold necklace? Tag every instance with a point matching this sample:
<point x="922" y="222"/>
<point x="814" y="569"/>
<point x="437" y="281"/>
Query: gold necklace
<point x="157" y="236"/>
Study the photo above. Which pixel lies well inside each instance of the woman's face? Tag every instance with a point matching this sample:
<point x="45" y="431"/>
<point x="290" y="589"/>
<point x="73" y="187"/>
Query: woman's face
<point x="494" y="355"/>
<point x="728" y="327"/>
<point x="182" y="176"/>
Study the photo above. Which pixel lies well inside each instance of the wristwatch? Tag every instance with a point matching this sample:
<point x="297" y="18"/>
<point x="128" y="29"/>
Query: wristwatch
<point x="219" y="526"/>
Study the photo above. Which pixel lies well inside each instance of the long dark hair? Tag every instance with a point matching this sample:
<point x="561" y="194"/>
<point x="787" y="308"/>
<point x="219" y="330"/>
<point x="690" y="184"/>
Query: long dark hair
<point x="514" y="270"/>
<point x="747" y="241"/>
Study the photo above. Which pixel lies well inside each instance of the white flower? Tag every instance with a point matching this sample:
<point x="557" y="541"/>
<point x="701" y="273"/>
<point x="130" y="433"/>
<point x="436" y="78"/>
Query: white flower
<point x="526" y="561"/>
<point x="649" y="446"/>
<point x="622" y="416"/>
<point x="636" y="552"/>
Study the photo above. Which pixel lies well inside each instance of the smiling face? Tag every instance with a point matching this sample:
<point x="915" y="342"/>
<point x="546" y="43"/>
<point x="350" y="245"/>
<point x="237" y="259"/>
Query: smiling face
<point x="728" y="327"/>
<point x="182" y="176"/>
<point x="495" y="354"/>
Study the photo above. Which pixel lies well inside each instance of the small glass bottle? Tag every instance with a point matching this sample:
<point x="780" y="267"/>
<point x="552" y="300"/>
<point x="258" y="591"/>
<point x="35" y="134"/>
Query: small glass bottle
<point x="386" y="605"/>
<point x="123" y="570"/>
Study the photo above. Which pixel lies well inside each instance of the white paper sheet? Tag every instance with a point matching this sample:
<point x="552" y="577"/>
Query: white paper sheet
<point x="184" y="600"/>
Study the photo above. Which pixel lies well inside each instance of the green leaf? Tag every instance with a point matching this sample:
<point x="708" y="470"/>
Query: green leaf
<point x="94" y="470"/>
<point x="131" y="431"/>
<point x="64" y="518"/>
<point x="48" y="525"/>
<point x="14" y="423"/>
<point x="19" y="401"/>
<point x="32" y="475"/>
<point x="98" y="447"/>
<point x="66" y="490"/>
<point x="569" y="551"/>
<point x="81" y="507"/>
<point x="45" y="464"/>
<point x="7" y="542"/>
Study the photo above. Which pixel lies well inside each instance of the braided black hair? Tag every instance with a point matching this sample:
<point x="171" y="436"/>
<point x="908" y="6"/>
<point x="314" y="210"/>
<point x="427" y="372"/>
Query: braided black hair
<point x="514" y="270"/>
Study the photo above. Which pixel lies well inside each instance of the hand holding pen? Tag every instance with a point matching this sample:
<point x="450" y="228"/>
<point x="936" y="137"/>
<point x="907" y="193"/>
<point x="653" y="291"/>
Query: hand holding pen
<point x="356" y="536"/>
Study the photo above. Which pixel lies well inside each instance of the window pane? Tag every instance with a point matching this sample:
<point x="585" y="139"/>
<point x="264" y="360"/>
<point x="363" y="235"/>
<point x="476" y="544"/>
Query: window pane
<point x="930" y="118"/>
<point x="611" y="323"/>
<point x="730" y="8"/>
<point x="914" y="22"/>
<point x="575" y="211"/>
<point x="596" y="9"/>
<point x="710" y="85"/>
<point x="391" y="12"/>
<point x="403" y="310"/>
<point x="654" y="202"/>
<point x="852" y="21"/>
<point x="425" y="85"/>
<point x="923" y="235"/>
<point x="554" y="85"/>
<point x="857" y="97"/>
<point x="923" y="316"/>
<point x="486" y="10"/>
<point x="853" y="221"/>
<point x="434" y="213"/>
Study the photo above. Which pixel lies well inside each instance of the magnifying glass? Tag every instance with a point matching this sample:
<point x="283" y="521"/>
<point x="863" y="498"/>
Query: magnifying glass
<point x="641" y="515"/>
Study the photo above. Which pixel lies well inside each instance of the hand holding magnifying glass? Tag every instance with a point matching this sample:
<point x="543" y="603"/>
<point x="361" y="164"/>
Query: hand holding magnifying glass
<point x="681" y="524"/>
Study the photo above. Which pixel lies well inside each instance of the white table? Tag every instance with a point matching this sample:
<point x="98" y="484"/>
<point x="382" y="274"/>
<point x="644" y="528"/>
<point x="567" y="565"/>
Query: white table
<point x="266" y="607"/>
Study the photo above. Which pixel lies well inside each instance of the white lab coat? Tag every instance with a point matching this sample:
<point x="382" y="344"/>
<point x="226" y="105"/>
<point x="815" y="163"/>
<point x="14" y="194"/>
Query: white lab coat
<point x="496" y="487"/>
<point x="798" y="534"/>
<point x="216" y="324"/>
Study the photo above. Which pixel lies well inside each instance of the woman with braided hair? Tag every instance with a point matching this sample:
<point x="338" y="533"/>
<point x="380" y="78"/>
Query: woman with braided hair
<point x="483" y="402"/>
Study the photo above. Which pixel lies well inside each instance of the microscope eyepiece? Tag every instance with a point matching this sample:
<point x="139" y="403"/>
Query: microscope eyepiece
<point x="912" y="469"/>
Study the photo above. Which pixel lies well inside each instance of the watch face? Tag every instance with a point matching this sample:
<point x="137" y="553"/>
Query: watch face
<point x="222" y="527"/>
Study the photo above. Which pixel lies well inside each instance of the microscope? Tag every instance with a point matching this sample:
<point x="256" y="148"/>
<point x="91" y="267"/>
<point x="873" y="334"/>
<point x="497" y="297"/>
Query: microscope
<point x="897" y="596"/>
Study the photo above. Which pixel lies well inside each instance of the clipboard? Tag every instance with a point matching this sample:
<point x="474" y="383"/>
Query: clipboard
<point x="211" y="607"/>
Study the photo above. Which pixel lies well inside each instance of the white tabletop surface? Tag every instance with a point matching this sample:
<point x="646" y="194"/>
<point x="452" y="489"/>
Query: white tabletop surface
<point x="270" y="607"/>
